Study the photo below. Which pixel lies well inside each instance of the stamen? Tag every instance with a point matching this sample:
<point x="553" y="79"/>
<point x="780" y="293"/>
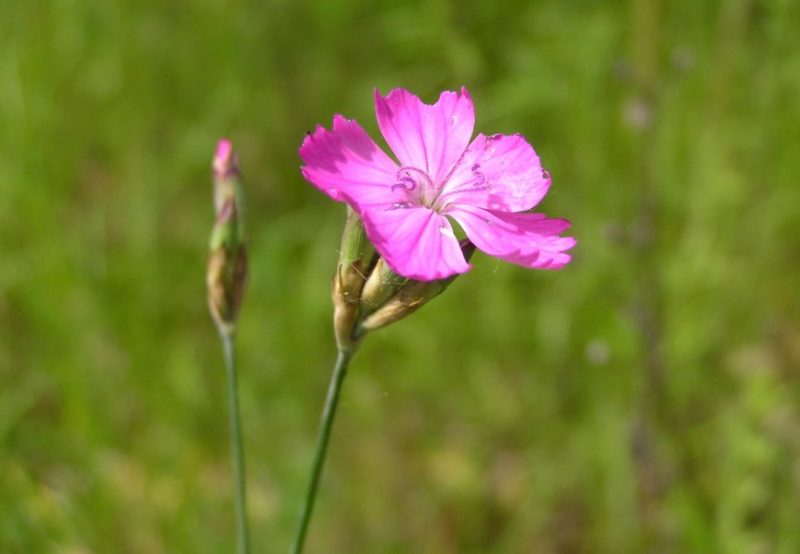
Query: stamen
<point x="417" y="183"/>
<point x="409" y="178"/>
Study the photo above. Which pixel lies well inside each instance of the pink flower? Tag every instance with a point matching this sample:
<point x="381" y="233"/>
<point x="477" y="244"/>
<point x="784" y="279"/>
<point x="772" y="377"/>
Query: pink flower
<point x="487" y="186"/>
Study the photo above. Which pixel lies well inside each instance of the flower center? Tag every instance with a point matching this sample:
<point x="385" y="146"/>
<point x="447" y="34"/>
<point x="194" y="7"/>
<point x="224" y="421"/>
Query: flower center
<point x="417" y="184"/>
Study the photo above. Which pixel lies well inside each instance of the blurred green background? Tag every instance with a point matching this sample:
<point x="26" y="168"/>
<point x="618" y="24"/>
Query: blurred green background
<point x="644" y="399"/>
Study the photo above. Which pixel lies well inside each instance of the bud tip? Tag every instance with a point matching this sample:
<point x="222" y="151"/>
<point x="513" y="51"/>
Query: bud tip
<point x="224" y="158"/>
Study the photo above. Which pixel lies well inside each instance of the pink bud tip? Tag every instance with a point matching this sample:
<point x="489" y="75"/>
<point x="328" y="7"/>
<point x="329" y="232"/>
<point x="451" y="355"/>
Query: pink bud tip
<point x="223" y="158"/>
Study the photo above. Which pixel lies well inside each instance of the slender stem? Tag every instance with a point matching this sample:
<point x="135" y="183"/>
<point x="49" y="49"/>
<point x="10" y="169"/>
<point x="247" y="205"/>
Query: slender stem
<point x="237" y="450"/>
<point x="328" y="413"/>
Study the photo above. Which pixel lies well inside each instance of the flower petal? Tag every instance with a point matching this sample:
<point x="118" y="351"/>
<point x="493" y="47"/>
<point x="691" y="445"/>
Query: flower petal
<point x="347" y="161"/>
<point x="498" y="172"/>
<point x="428" y="137"/>
<point x="529" y="240"/>
<point x="416" y="242"/>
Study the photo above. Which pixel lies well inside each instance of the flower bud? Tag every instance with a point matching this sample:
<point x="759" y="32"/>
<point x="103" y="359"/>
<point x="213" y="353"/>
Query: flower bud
<point x="409" y="297"/>
<point x="381" y="285"/>
<point x="227" y="259"/>
<point x="355" y="260"/>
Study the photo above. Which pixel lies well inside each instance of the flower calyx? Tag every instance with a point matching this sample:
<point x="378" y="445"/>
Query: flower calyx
<point x="368" y="294"/>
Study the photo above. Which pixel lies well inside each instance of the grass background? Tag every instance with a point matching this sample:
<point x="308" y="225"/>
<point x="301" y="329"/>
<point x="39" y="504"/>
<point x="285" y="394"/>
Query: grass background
<point x="644" y="399"/>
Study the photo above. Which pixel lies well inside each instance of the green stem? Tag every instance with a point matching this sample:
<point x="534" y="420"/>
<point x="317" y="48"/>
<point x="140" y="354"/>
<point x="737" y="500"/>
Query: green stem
<point x="328" y="413"/>
<point x="237" y="450"/>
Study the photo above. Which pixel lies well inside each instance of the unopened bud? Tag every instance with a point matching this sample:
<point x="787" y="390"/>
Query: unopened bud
<point x="381" y="285"/>
<point x="409" y="297"/>
<point x="227" y="259"/>
<point x="355" y="261"/>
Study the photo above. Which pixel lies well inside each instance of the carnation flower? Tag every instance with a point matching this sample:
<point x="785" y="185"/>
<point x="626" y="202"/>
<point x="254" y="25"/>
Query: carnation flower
<point x="487" y="186"/>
